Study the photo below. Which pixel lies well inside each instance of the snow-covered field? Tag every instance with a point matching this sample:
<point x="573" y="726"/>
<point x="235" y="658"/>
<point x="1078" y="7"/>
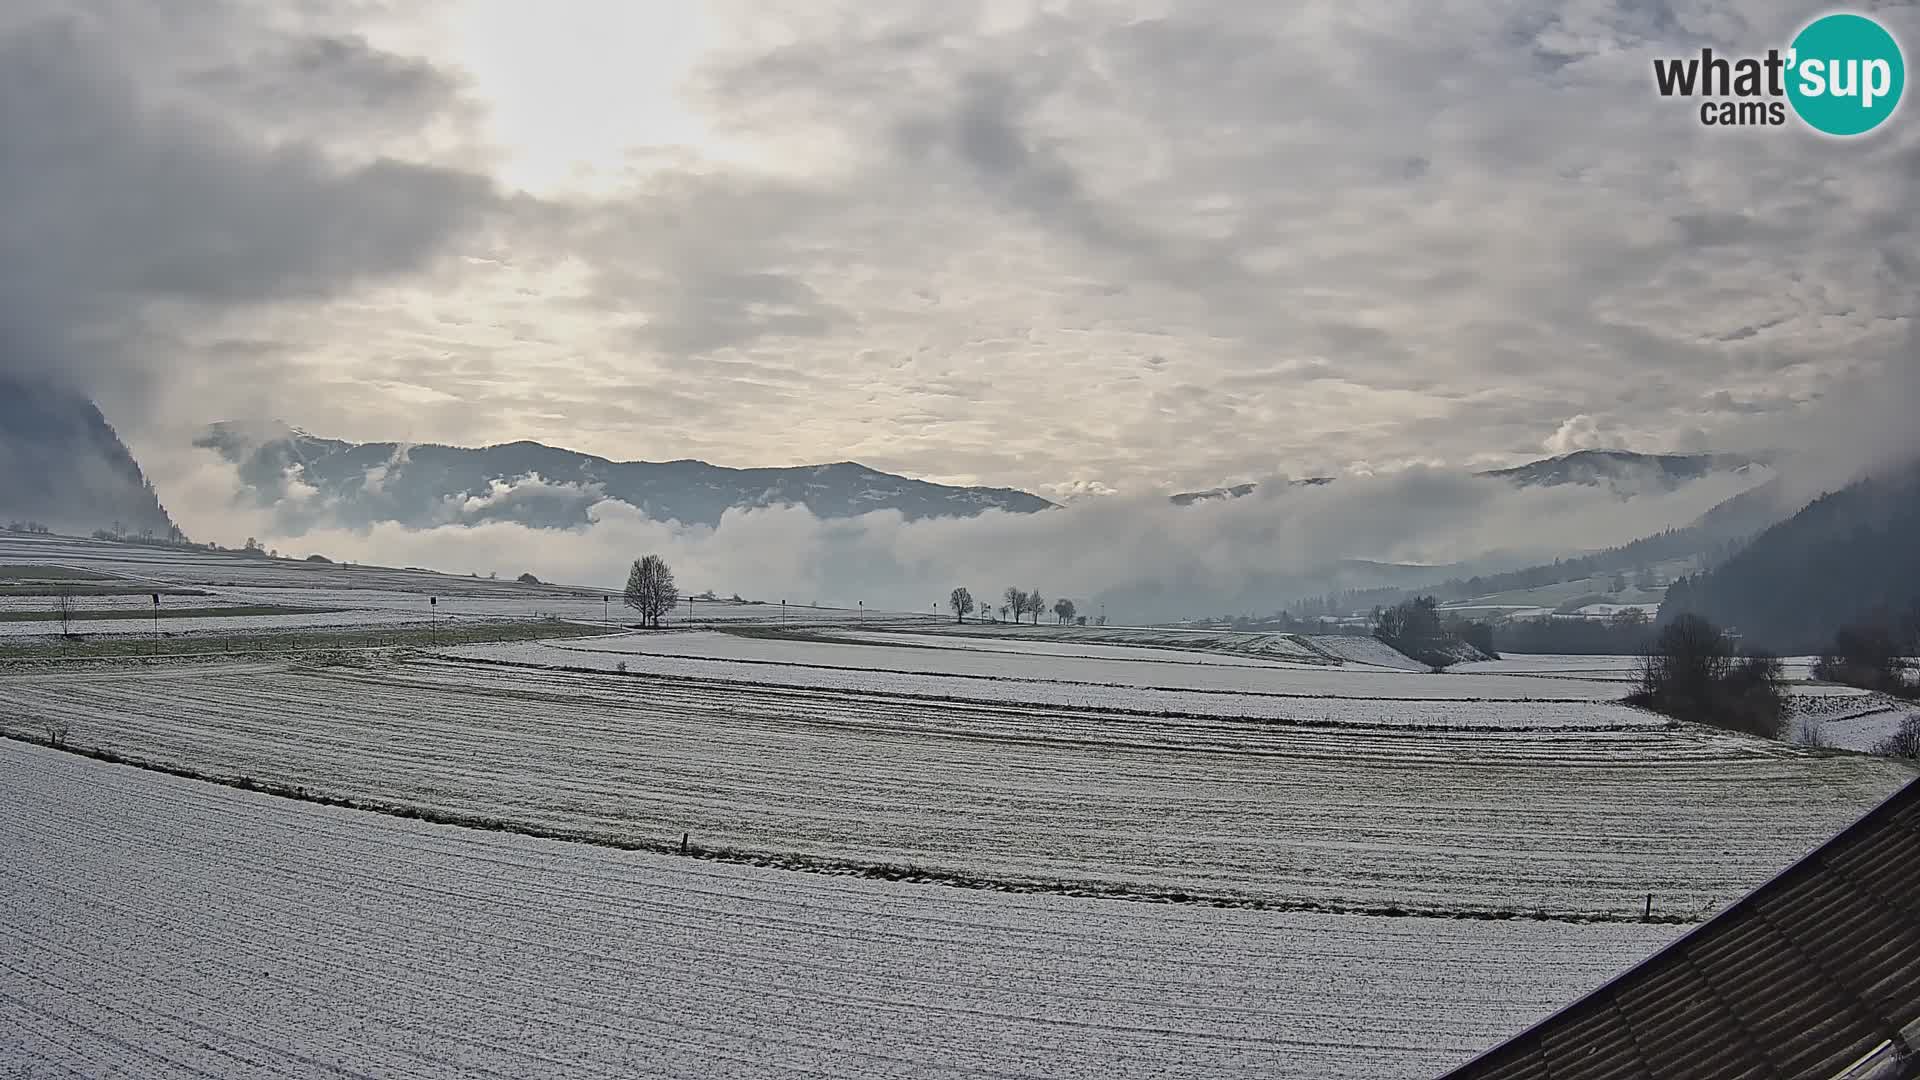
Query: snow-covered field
<point x="1857" y="720"/>
<point x="1363" y="650"/>
<point x="162" y="928"/>
<point x="218" y="624"/>
<point x="1587" y="667"/>
<point x="1278" y="646"/>
<point x="1582" y="822"/>
<point x="374" y="597"/>
<point x="152" y="926"/>
<point x="1148" y="670"/>
<point x="1324" y="708"/>
<point x="83" y="605"/>
<point x="1045" y="644"/>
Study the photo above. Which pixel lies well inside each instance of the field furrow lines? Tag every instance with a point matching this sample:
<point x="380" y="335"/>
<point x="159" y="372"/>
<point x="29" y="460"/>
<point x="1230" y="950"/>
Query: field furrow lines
<point x="353" y="943"/>
<point x="1571" y="823"/>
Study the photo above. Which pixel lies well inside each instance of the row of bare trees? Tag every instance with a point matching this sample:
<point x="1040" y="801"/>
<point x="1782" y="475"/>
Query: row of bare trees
<point x="1015" y="603"/>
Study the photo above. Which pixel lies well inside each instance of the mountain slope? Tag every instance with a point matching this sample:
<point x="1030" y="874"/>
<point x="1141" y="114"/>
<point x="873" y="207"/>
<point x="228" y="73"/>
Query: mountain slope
<point x="1623" y="470"/>
<point x="1846" y="556"/>
<point x="62" y="465"/>
<point x="1619" y="468"/>
<point x="549" y="487"/>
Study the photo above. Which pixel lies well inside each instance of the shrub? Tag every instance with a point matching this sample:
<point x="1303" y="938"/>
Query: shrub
<point x="1691" y="673"/>
<point x="1904" y="742"/>
<point x="1870" y="656"/>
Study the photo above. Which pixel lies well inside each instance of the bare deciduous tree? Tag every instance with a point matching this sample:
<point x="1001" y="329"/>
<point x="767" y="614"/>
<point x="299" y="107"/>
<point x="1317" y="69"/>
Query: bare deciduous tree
<point x="1016" y="602"/>
<point x="56" y="730"/>
<point x="1035" y="605"/>
<point x="650" y="589"/>
<point x="1063" y="611"/>
<point x="1691" y="673"/>
<point x="961" y="601"/>
<point x="1905" y="740"/>
<point x="63" y="607"/>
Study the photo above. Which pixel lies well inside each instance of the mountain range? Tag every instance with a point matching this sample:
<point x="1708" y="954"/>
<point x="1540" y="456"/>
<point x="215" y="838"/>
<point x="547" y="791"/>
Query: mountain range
<point x="1625" y="471"/>
<point x="63" y="467"/>
<point x="548" y="487"/>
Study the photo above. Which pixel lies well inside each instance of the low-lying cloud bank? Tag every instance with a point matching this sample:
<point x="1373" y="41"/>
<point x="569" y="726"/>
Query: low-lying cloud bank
<point x="1152" y="559"/>
<point x="1247" y="554"/>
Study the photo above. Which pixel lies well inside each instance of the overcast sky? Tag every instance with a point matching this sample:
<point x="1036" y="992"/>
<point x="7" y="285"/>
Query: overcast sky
<point x="1066" y="247"/>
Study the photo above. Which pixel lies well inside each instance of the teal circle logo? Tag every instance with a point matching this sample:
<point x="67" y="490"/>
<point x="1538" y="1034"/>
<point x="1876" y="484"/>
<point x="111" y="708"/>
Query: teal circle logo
<point x="1846" y="74"/>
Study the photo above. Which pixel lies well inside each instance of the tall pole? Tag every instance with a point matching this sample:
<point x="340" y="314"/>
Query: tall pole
<point x="433" y="619"/>
<point x="606" y="615"/>
<point x="156" y="622"/>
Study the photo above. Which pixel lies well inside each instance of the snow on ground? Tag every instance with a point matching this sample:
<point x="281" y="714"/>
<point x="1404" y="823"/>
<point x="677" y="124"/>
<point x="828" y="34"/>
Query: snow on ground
<point x="1260" y="644"/>
<point x="1364" y="650"/>
<point x="1572" y="822"/>
<point x="1865" y="730"/>
<point x="1276" y="646"/>
<point x="1795" y="669"/>
<point x="1044" y="644"/>
<point x="215" y="624"/>
<point x="1590" y="667"/>
<point x="1858" y="720"/>
<point x="1326" y="709"/>
<point x="84" y="604"/>
<point x="383" y="596"/>
<point x="1147" y="671"/>
<point x="1608" y="611"/>
<point x="162" y="928"/>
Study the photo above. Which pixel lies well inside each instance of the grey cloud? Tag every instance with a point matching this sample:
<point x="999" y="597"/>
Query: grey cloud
<point x="122" y="200"/>
<point x="702" y="312"/>
<point x="331" y="82"/>
<point x="1356" y="233"/>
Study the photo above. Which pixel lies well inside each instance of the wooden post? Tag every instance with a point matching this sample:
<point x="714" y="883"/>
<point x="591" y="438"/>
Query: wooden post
<point x="1648" y="917"/>
<point x="683" y="842"/>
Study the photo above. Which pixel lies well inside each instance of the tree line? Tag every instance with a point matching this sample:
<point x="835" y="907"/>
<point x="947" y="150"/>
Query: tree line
<point x="1015" y="603"/>
<point x="1417" y="629"/>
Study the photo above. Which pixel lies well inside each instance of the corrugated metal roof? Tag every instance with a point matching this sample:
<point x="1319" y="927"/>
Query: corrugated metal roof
<point x="1814" y="974"/>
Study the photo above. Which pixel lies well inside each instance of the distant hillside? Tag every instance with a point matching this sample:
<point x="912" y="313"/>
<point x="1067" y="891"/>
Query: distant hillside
<point x="1709" y="539"/>
<point x="1188" y="498"/>
<point x="1621" y="469"/>
<point x="63" y="466"/>
<point x="548" y="487"/>
<point x="1847" y="555"/>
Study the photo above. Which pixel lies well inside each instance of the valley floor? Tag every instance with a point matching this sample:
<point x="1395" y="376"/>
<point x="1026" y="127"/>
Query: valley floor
<point x="1183" y="854"/>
